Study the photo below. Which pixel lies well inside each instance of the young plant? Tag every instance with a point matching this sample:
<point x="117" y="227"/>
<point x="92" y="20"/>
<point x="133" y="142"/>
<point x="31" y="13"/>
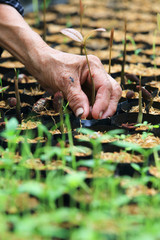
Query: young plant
<point x="57" y="103"/>
<point x="110" y="49"/>
<point x="132" y="77"/>
<point x="3" y="89"/>
<point x="158" y="21"/>
<point x="77" y="36"/>
<point x="154" y="48"/>
<point x="36" y="11"/>
<point x="146" y="96"/>
<point x="61" y="115"/>
<point x="124" y="55"/>
<point x="44" y="7"/>
<point x="18" y="102"/>
<point x="81" y="13"/>
<point x="44" y="20"/>
<point x="136" y="50"/>
<point x="140" y="113"/>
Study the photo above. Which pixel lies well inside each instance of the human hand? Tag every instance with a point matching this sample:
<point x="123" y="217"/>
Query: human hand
<point x="69" y="73"/>
<point x="58" y="71"/>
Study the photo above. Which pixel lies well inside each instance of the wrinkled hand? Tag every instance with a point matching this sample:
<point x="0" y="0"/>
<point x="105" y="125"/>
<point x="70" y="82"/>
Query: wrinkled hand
<point x="69" y="73"/>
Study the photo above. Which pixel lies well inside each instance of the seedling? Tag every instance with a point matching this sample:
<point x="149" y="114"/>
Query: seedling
<point x="61" y="101"/>
<point x="44" y="20"/>
<point x="77" y="36"/>
<point x="130" y="94"/>
<point x="81" y="13"/>
<point x="158" y="21"/>
<point x="146" y="96"/>
<point x="110" y="49"/>
<point x="18" y="103"/>
<point x="36" y="10"/>
<point x="3" y="89"/>
<point x="154" y="48"/>
<point x="140" y="113"/>
<point x="44" y="6"/>
<point x="136" y="50"/>
<point x="132" y="77"/>
<point x="12" y="101"/>
<point x="124" y="55"/>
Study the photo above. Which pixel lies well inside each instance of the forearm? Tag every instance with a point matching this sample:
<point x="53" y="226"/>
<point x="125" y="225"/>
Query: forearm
<point x="58" y="71"/>
<point x="19" y="39"/>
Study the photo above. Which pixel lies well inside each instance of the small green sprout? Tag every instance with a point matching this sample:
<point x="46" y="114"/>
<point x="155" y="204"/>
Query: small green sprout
<point x="136" y="50"/>
<point x="3" y="89"/>
<point x="77" y="36"/>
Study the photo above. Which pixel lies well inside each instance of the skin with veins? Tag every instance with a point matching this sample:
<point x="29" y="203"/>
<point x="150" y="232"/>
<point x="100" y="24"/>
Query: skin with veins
<point x="56" y="70"/>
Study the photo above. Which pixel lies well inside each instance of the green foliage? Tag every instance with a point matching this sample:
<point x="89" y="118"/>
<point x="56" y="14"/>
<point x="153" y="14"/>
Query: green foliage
<point x="69" y="205"/>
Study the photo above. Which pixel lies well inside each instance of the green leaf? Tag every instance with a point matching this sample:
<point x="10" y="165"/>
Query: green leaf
<point x="75" y="180"/>
<point x="32" y="187"/>
<point x="136" y="167"/>
<point x="4" y="89"/>
<point x="12" y="124"/>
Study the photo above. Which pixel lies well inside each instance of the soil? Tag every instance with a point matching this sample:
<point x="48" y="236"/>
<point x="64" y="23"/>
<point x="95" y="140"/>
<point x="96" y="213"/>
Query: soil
<point x="152" y="110"/>
<point x="38" y="165"/>
<point x="120" y="157"/>
<point x="154" y="171"/>
<point x="28" y="125"/>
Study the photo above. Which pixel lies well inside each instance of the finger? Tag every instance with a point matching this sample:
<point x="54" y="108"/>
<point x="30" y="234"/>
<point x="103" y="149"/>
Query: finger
<point x="102" y="101"/>
<point x="112" y="107"/>
<point x="78" y="101"/>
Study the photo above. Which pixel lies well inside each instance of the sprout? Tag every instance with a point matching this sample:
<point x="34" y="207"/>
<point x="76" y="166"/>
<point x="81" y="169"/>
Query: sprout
<point x="130" y="94"/>
<point x="140" y="113"/>
<point x="77" y="36"/>
<point x="110" y="49"/>
<point x="132" y="77"/>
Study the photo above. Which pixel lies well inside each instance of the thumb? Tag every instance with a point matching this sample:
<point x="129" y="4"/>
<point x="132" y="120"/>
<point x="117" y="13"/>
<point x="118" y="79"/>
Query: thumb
<point x="78" y="101"/>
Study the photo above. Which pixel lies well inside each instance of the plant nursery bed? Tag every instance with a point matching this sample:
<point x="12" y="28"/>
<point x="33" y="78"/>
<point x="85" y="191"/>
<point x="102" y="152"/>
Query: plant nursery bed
<point x="62" y="177"/>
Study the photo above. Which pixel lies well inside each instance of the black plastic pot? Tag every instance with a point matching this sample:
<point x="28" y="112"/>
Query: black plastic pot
<point x="129" y="118"/>
<point x="10" y="74"/>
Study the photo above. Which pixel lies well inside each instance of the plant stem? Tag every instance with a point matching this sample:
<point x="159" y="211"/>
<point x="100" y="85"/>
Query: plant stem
<point x="44" y="20"/>
<point x="140" y="114"/>
<point x="61" y="117"/>
<point x="110" y="49"/>
<point x="154" y="48"/>
<point x="124" y="54"/>
<point x="35" y="9"/>
<point x="81" y="25"/>
<point x="92" y="81"/>
<point x="18" y="103"/>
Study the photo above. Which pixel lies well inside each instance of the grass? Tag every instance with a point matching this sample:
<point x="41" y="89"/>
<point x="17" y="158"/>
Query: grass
<point x="61" y="202"/>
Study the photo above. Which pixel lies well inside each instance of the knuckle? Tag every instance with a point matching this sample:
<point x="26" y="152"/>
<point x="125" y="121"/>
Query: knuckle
<point x="94" y="60"/>
<point x="73" y="98"/>
<point x="117" y="90"/>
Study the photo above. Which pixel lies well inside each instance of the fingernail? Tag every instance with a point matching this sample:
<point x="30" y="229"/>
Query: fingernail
<point x="79" y="112"/>
<point x="100" y="115"/>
